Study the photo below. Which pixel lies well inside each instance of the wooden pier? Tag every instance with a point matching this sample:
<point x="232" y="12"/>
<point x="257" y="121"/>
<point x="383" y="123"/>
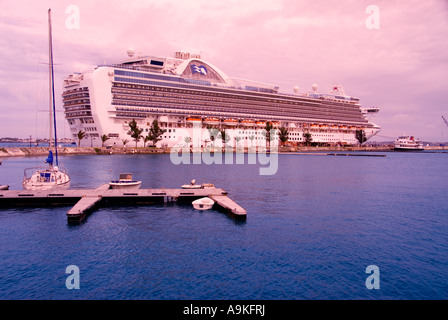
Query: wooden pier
<point x="228" y="204"/>
<point x="86" y="200"/>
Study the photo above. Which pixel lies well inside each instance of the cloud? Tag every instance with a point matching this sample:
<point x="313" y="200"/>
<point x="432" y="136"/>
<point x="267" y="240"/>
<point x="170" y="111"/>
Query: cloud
<point x="400" y="68"/>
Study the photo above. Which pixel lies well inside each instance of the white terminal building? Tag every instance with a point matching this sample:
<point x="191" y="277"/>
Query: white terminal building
<point x="186" y="92"/>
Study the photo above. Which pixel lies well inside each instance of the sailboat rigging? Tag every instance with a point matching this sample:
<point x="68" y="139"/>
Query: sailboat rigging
<point x="54" y="176"/>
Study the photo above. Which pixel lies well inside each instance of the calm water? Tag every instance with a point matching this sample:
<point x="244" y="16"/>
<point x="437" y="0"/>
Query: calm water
<point x="311" y="231"/>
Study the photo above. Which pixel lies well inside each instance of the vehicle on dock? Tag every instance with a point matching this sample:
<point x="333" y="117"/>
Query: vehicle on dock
<point x="125" y="181"/>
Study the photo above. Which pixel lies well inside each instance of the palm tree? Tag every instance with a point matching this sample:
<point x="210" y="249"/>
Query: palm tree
<point x="283" y="134"/>
<point x="224" y="137"/>
<point x="145" y="139"/>
<point x="155" y="132"/>
<point x="104" y="138"/>
<point x="81" y="135"/>
<point x="251" y="138"/>
<point x="307" y="137"/>
<point x="213" y="133"/>
<point x="125" y="141"/>
<point x="237" y="141"/>
<point x="268" y="129"/>
<point x="135" y="132"/>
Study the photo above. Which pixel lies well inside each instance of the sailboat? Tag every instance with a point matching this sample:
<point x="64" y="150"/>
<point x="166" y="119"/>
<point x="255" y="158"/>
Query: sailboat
<point x="54" y="176"/>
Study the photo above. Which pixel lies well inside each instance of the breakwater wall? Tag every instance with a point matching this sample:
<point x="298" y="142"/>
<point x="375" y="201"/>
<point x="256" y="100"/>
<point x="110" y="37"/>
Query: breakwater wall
<point x="64" y="151"/>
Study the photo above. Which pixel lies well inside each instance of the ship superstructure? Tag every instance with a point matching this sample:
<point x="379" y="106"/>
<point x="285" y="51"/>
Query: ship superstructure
<point x="186" y="92"/>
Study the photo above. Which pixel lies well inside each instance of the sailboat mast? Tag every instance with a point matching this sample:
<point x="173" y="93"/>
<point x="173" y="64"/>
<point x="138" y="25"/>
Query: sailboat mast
<point x="52" y="89"/>
<point x="50" y="92"/>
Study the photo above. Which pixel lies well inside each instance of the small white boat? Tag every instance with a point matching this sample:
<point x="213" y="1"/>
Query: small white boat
<point x="4" y="186"/>
<point x="408" y="143"/>
<point x="203" y="203"/>
<point x="125" y="182"/>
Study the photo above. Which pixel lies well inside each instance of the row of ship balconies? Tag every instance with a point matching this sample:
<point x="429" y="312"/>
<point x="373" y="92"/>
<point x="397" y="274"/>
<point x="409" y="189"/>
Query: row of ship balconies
<point x="234" y="119"/>
<point x="193" y="95"/>
<point x="241" y="103"/>
<point x="218" y="108"/>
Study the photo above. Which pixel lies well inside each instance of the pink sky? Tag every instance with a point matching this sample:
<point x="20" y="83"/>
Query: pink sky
<point x="401" y="67"/>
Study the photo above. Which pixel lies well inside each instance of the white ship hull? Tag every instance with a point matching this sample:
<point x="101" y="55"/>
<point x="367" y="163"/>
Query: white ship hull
<point x="105" y="100"/>
<point x="408" y="143"/>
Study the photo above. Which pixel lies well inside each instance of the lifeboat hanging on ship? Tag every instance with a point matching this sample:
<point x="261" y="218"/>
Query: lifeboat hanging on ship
<point x="212" y="121"/>
<point x="275" y="124"/>
<point x="230" y="122"/>
<point x="261" y="123"/>
<point x="194" y="120"/>
<point x="248" y="123"/>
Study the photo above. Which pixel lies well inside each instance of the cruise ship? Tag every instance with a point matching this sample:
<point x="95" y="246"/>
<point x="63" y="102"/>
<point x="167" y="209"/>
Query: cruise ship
<point x="186" y="92"/>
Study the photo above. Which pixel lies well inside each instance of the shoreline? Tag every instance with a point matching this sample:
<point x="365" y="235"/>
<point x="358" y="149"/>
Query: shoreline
<point x="64" y="151"/>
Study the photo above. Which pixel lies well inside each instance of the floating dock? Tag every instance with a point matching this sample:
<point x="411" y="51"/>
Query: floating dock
<point x="228" y="204"/>
<point x="335" y="154"/>
<point x="86" y="200"/>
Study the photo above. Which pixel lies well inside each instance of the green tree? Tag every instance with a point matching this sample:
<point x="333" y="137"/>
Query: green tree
<point x="213" y="132"/>
<point x="146" y="139"/>
<point x="135" y="132"/>
<point x="283" y="134"/>
<point x="308" y="138"/>
<point x="224" y="137"/>
<point x="104" y="138"/>
<point x="125" y="141"/>
<point x="268" y="129"/>
<point x="360" y="136"/>
<point x="251" y="138"/>
<point x="238" y="139"/>
<point x="237" y="142"/>
<point x="155" y="132"/>
<point x="81" y="135"/>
